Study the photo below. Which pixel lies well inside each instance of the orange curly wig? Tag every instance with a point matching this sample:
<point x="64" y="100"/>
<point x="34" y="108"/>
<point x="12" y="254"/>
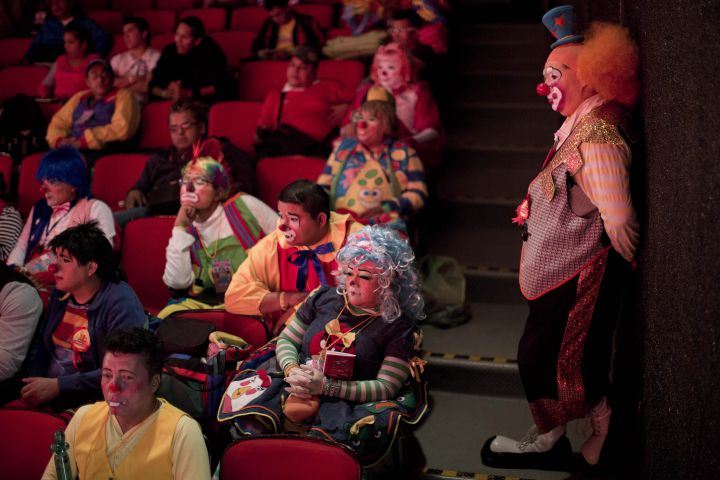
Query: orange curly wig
<point x="608" y="62"/>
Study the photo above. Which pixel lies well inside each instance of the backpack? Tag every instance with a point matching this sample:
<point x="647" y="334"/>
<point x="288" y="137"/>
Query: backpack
<point x="443" y="285"/>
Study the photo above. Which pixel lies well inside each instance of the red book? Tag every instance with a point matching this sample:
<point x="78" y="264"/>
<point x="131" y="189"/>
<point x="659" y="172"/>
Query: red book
<point x="339" y="365"/>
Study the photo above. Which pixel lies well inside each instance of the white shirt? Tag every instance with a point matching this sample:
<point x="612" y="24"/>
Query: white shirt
<point x="125" y="65"/>
<point x="20" y="310"/>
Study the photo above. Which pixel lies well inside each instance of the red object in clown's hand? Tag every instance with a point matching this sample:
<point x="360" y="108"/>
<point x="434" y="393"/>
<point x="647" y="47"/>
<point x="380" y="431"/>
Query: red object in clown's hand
<point x="542" y="89"/>
<point x="52" y="268"/>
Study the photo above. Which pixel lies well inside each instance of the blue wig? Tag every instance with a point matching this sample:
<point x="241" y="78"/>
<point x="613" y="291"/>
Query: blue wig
<point x="66" y="164"/>
<point x="398" y="278"/>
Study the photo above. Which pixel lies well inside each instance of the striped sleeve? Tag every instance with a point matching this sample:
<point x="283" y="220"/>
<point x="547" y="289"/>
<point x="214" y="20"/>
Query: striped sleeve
<point x="391" y="377"/>
<point x="605" y="179"/>
<point x="10" y="227"/>
<point x="414" y="192"/>
<point x="290" y="342"/>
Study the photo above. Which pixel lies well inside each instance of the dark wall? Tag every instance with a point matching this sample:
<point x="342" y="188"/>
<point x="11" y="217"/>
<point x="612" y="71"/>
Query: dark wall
<point x="668" y="359"/>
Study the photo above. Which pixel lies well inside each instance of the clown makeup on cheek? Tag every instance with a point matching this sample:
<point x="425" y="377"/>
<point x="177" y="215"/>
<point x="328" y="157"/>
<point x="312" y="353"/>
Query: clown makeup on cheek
<point x="554" y="95"/>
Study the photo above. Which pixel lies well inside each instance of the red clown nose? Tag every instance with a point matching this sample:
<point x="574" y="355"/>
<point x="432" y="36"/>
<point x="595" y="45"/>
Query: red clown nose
<point x="542" y="89"/>
<point x="53" y="268"/>
<point x="362" y="124"/>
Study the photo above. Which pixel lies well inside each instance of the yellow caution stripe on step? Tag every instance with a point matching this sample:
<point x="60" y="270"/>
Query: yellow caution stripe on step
<point x="440" y="473"/>
<point x="469" y="358"/>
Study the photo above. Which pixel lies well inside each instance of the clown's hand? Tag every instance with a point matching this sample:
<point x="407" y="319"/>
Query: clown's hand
<point x="299" y="383"/>
<point x="316" y="379"/>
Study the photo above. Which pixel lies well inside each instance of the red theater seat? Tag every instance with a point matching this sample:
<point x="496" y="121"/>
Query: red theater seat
<point x="28" y="186"/>
<point x="162" y="40"/>
<point x="274" y="173"/>
<point x="214" y="19"/>
<point x="129" y="6"/>
<point x="114" y="175"/>
<point x="118" y="45"/>
<point x="349" y="72"/>
<point x="251" y="329"/>
<point x="160" y="21"/>
<point x="237" y="46"/>
<point x="248" y="18"/>
<point x="6" y="168"/>
<point x="12" y="50"/>
<point x="154" y="132"/>
<point x="236" y="121"/>
<point x="143" y="259"/>
<point x="257" y="79"/>
<point x="108" y="20"/>
<point x="303" y="458"/>
<point x="338" y="32"/>
<point x="21" y="79"/>
<point x="322" y="13"/>
<point x="177" y="5"/>
<point x="93" y="5"/>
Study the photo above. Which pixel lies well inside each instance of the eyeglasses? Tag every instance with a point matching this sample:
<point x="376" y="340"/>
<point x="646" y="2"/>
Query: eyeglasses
<point x="182" y="127"/>
<point x="197" y="182"/>
<point x="393" y="30"/>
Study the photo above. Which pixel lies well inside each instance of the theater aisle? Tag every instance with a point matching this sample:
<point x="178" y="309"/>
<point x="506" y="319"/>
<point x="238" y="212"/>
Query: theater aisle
<point x="499" y="131"/>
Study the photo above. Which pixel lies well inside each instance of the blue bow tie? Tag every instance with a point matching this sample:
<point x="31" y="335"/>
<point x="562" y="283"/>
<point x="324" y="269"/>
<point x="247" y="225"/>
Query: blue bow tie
<point x="301" y="258"/>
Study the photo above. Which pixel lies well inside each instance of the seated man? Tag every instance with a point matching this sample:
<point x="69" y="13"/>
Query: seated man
<point x="299" y="118"/>
<point x="132" y="433"/>
<point x="133" y="67"/>
<point x="90" y="301"/>
<point x="157" y="191"/>
<point x="20" y="310"/>
<point x="211" y="237"/>
<point x="93" y="118"/>
<point x="194" y="66"/>
<point x="294" y="259"/>
<point x="284" y="30"/>
<point x="403" y="28"/>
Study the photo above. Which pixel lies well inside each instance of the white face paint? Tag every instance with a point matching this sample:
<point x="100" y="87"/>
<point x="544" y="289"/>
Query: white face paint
<point x="189" y="198"/>
<point x="552" y="77"/>
<point x="555" y="97"/>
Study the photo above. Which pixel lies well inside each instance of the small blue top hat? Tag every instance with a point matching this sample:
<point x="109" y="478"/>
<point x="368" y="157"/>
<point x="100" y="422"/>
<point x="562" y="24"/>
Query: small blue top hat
<point x="559" y="21"/>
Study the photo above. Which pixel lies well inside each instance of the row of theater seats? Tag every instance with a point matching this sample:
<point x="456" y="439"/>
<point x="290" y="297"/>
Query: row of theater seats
<point x="144" y="240"/>
<point x="30" y="434"/>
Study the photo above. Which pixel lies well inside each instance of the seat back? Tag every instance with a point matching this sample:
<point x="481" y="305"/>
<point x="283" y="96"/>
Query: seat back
<point x="29" y="434"/>
<point x="143" y="258"/>
<point x="251" y="329"/>
<point x="248" y="18"/>
<point x="214" y="19"/>
<point x="322" y="13"/>
<point x="237" y="46"/>
<point x="12" y="50"/>
<point x="129" y="6"/>
<point x="257" y="79"/>
<point x="162" y="40"/>
<point x="275" y="173"/>
<point x="28" y="187"/>
<point x="154" y="132"/>
<point x="118" y="45"/>
<point x="303" y="458"/>
<point x="110" y="21"/>
<point x="21" y="79"/>
<point x="177" y="5"/>
<point x="235" y="120"/>
<point x="349" y="72"/>
<point x="160" y="21"/>
<point x="92" y="5"/>
<point x="114" y="175"/>
<point x="6" y="168"/>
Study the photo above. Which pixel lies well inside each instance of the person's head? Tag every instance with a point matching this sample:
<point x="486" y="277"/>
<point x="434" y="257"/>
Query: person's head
<point x="403" y="28"/>
<point x="564" y="90"/>
<point x="99" y="77"/>
<point x="278" y="11"/>
<point x="375" y="119"/>
<point x="63" y="9"/>
<point x="205" y="180"/>
<point x="84" y="257"/>
<point x="77" y="42"/>
<point x="304" y="209"/>
<point x="188" y="34"/>
<point x="187" y="123"/>
<point x="136" y="32"/>
<point x="376" y="271"/>
<point x="391" y="67"/>
<point x="131" y="372"/>
<point x="63" y="176"/>
<point x="302" y="68"/>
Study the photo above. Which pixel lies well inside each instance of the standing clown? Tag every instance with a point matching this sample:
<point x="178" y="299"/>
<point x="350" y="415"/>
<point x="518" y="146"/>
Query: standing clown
<point x="579" y="233"/>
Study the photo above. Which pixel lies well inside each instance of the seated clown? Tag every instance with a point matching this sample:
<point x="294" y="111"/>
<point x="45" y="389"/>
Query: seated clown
<point x="346" y="356"/>
<point x="211" y="234"/>
<point x="372" y="175"/>
<point x="417" y="113"/>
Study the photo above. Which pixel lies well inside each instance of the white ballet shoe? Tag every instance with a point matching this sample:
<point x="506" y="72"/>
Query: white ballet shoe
<point x="600" y="421"/>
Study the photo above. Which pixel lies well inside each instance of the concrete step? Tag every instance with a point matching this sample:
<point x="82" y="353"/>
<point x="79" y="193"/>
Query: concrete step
<point x="499" y="156"/>
<point x="477" y="183"/>
<point x="525" y="32"/>
<point x="495" y="86"/>
<point x="494" y="125"/>
<point x="493" y="285"/>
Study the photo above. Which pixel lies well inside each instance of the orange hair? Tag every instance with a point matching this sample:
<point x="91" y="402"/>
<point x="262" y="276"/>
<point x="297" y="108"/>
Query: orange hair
<point x="608" y="62"/>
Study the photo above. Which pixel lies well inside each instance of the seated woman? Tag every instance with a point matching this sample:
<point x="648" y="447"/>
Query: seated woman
<point x="346" y="354"/>
<point x="67" y="75"/>
<point x="417" y="113"/>
<point x="211" y="236"/>
<point x="66" y="186"/>
<point x="90" y="301"/>
<point x="373" y="176"/>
